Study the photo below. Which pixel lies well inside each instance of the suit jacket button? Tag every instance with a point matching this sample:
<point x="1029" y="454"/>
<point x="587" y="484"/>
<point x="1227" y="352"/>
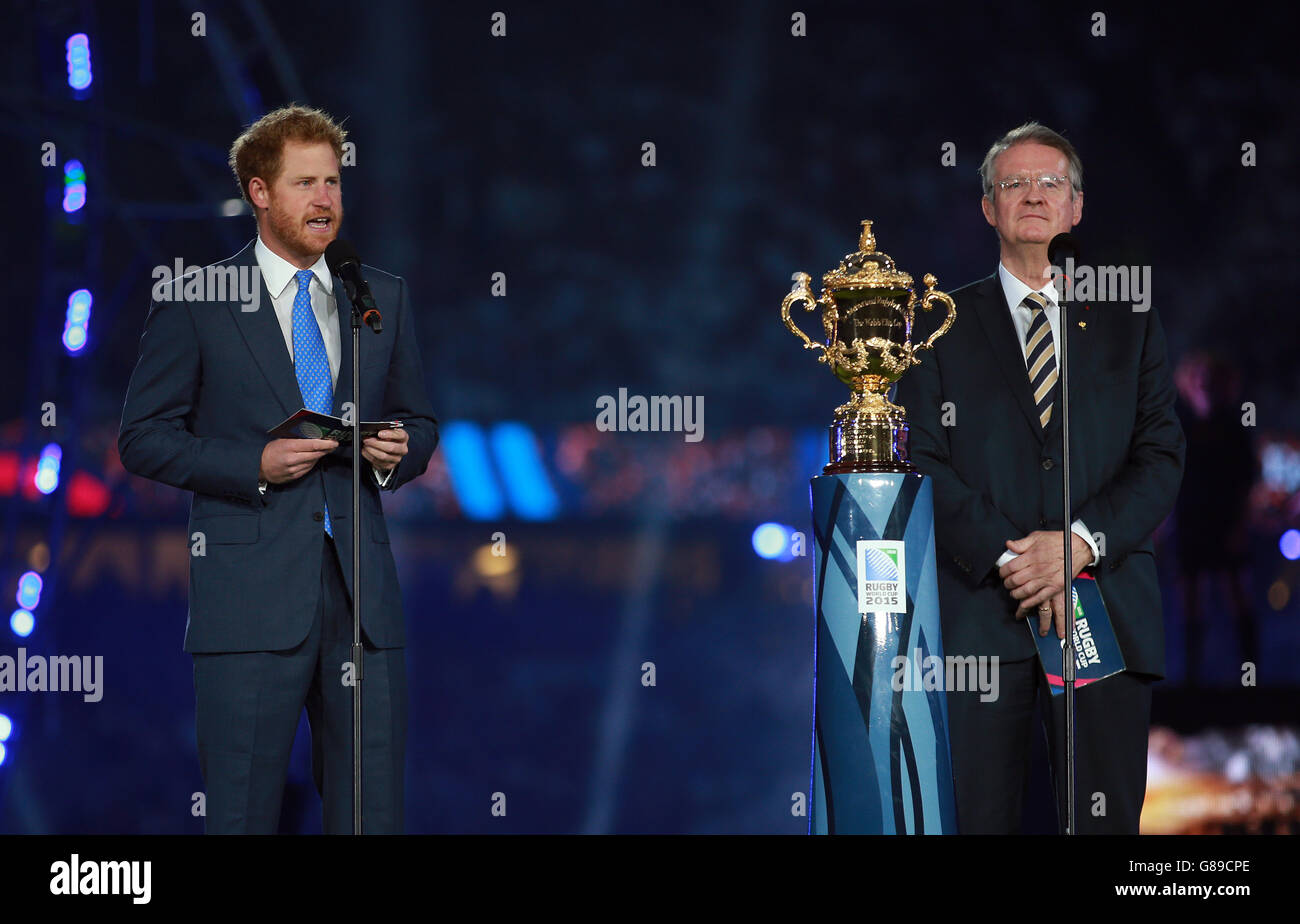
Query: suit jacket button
<point x="1042" y="521"/>
<point x="1047" y="465"/>
<point x="318" y="517"/>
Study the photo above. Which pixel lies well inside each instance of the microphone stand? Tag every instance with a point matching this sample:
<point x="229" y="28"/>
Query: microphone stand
<point x="360" y="302"/>
<point x="357" y="653"/>
<point x="363" y="310"/>
<point x="1067" y="649"/>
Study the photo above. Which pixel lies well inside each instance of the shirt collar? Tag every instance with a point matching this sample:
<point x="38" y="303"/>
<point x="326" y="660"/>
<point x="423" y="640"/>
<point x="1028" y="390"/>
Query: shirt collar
<point x="1015" y="290"/>
<point x="279" y="272"/>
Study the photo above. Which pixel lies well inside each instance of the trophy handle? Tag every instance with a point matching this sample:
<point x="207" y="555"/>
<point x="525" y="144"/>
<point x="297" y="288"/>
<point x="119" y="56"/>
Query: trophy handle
<point x="801" y="292"/>
<point x="934" y="295"/>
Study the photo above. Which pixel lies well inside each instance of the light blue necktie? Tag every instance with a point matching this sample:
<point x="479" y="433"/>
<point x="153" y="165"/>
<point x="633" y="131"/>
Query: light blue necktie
<point x="311" y="362"/>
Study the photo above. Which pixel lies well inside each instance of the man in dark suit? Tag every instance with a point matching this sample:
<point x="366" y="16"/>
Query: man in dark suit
<point x="270" y="614"/>
<point x="985" y="425"/>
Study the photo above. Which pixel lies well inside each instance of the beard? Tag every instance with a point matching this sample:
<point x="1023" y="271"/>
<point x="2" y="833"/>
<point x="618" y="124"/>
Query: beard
<point x="291" y="230"/>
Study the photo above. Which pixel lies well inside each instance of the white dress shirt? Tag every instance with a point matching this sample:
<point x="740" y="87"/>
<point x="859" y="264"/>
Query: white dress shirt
<point x="1021" y="316"/>
<point x="281" y="281"/>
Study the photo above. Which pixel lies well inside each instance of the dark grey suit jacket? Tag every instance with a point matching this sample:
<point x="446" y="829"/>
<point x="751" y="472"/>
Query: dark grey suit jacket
<point x="997" y="473"/>
<point x="211" y="380"/>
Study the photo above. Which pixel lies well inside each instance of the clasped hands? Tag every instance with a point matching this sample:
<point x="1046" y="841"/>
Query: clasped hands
<point x="285" y="459"/>
<point x="1034" y="576"/>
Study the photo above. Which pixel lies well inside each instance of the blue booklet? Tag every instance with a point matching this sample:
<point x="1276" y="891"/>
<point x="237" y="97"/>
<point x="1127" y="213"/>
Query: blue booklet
<point x="1096" y="650"/>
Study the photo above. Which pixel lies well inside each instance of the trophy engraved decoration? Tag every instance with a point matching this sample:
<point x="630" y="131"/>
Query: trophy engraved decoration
<point x="868" y="306"/>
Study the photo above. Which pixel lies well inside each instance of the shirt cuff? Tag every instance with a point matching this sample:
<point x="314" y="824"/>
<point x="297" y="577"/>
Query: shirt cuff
<point x="261" y="487"/>
<point x="1081" y="531"/>
<point x="383" y="479"/>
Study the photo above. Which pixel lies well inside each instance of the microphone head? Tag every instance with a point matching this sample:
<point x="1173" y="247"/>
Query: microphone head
<point x="338" y="253"/>
<point x="1061" y="248"/>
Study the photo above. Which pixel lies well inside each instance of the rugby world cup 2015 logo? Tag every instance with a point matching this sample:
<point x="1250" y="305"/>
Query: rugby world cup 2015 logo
<point x="882" y="572"/>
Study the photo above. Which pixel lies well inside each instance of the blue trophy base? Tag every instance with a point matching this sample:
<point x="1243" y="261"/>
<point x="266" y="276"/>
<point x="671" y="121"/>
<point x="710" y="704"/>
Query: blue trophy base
<point x="880" y="738"/>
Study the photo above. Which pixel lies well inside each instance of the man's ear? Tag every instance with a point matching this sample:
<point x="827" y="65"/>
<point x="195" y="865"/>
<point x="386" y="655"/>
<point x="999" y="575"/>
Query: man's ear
<point x="987" y="206"/>
<point x="1078" y="208"/>
<point x="258" y="193"/>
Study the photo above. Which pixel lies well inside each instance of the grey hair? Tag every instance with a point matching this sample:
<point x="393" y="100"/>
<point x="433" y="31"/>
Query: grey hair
<point x="1031" y="132"/>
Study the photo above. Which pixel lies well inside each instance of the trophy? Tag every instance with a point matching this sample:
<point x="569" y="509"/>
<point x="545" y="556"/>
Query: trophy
<point x="880" y="747"/>
<point x="867" y="306"/>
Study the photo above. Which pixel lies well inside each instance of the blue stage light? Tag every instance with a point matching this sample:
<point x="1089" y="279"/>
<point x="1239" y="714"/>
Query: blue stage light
<point x="770" y="540"/>
<point x="22" y="623"/>
<point x="77" y="320"/>
<point x="469" y="467"/>
<point x="2" y="755"/>
<point x="29" y="590"/>
<point x="47" y="469"/>
<point x="6" y="727"/>
<point x="524" y="473"/>
<point x="74" y="186"/>
<point x="1290" y="544"/>
<point x="78" y="56"/>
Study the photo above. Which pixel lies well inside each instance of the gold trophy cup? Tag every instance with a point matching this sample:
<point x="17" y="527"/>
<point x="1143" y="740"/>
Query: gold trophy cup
<point x="867" y="310"/>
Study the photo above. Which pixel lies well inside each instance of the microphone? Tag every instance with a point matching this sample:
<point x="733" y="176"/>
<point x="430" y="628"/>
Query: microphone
<point x="1062" y="254"/>
<point x="342" y="259"/>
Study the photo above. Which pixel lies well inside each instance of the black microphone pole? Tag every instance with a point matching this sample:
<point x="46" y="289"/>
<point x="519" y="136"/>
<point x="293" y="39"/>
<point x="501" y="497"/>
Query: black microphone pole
<point x="343" y="263"/>
<point x="1063" y="247"/>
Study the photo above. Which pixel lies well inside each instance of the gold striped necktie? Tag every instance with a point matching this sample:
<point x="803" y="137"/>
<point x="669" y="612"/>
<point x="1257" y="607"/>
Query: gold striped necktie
<point x="1040" y="356"/>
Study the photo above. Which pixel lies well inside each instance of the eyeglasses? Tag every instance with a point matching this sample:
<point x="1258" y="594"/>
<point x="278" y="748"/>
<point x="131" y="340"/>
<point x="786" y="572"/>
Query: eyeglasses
<point x="1047" y="185"/>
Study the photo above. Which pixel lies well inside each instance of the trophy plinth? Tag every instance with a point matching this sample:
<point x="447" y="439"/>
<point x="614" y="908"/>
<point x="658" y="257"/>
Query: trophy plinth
<point x="868" y="306"/>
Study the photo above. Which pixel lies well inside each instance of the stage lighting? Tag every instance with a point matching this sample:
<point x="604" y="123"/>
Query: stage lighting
<point x="78" y="55"/>
<point x="76" y="322"/>
<point x="22" y="622"/>
<point x="74" y="186"/>
<point x="469" y="467"/>
<point x="29" y="590"/>
<point x="523" y="472"/>
<point x="770" y="540"/>
<point x="47" y="469"/>
<point x="1290" y="544"/>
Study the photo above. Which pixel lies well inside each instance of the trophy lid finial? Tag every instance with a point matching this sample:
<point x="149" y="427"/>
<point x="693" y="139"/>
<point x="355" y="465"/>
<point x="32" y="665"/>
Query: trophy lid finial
<point x="866" y="269"/>
<point x="867" y="240"/>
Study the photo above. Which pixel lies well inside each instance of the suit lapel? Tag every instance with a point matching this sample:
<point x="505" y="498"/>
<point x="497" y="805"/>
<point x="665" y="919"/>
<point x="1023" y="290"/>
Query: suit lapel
<point x="995" y="317"/>
<point x="265" y="340"/>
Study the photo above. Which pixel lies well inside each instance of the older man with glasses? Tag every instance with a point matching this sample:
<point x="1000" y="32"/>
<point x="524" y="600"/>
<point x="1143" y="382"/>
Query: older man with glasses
<point x="998" y="500"/>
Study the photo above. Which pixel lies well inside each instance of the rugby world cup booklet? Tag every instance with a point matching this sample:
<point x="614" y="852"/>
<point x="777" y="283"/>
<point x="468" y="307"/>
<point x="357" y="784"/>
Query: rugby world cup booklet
<point x="1096" y="650"/>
